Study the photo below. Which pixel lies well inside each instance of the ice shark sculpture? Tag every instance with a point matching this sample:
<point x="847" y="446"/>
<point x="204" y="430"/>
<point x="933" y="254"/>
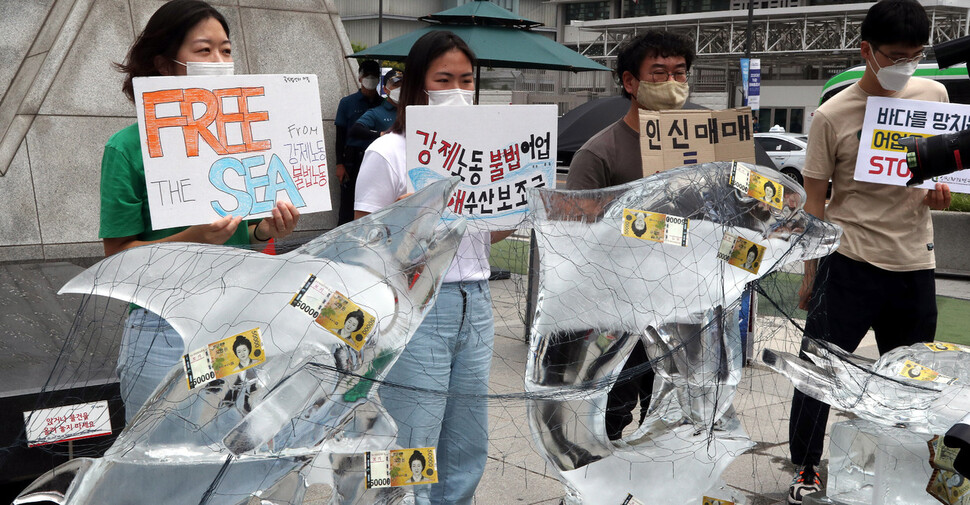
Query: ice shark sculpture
<point x="600" y="291"/>
<point x="229" y="440"/>
<point x="877" y="390"/>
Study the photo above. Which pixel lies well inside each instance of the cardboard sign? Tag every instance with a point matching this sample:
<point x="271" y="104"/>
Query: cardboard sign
<point x="883" y="160"/>
<point x="219" y="145"/>
<point x="71" y="422"/>
<point x="498" y="152"/>
<point x="674" y="138"/>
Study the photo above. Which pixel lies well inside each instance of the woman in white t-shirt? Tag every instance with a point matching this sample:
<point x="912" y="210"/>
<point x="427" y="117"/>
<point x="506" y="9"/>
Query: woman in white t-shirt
<point x="451" y="351"/>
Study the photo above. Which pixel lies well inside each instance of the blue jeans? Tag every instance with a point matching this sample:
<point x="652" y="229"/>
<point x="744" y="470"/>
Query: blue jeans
<point x="451" y="354"/>
<point x="150" y="347"/>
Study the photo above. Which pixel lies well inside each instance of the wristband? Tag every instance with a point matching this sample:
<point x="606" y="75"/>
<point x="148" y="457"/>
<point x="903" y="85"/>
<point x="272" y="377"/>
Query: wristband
<point x="255" y="236"/>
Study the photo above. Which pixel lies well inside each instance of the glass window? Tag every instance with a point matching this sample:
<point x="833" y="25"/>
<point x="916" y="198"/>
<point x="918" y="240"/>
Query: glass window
<point x="788" y="146"/>
<point x="633" y="8"/>
<point x="587" y="11"/>
<point x="796" y="121"/>
<point x="769" y="144"/>
<point x="690" y="6"/>
<point x="781" y="118"/>
<point x="764" y="120"/>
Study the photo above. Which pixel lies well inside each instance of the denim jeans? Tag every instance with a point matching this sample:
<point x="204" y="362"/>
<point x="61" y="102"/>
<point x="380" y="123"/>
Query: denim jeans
<point x="451" y="354"/>
<point x="150" y="347"/>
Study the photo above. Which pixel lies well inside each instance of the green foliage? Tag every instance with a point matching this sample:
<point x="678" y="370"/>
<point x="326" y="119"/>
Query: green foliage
<point x="959" y="203"/>
<point x="357" y="47"/>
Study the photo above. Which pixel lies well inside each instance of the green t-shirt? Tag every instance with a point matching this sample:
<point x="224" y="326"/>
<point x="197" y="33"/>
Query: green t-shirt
<point x="124" y="198"/>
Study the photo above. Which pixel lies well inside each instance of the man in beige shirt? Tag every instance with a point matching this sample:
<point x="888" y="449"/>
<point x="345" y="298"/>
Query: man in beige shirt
<point x="882" y="276"/>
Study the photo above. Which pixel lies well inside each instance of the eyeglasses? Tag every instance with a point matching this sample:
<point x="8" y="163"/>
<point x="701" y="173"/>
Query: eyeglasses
<point x="898" y="61"/>
<point x="663" y="75"/>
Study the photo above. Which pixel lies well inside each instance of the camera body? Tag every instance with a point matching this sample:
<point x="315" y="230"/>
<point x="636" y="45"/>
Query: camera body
<point x="958" y="437"/>
<point x="941" y="154"/>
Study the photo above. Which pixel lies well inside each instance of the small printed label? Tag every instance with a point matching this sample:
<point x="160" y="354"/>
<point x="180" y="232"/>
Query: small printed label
<point x="949" y="487"/>
<point x="756" y="186"/>
<point x="400" y="467"/>
<point x="334" y="312"/>
<point x="945" y="346"/>
<point x="714" y="501"/>
<point x="630" y="500"/>
<point x="740" y="252"/>
<point x="655" y="227"/>
<point x="223" y="358"/>
<point x="941" y="456"/>
<point x="915" y="371"/>
<point x="70" y="422"/>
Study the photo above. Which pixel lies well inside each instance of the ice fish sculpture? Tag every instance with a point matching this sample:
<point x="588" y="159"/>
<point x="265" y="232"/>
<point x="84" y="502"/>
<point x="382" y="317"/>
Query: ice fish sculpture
<point x="618" y="265"/>
<point x="907" y="387"/>
<point x="254" y="433"/>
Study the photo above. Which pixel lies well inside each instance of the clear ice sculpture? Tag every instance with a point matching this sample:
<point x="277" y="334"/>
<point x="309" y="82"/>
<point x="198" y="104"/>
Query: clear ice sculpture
<point x="876" y="390"/>
<point x="600" y="291"/>
<point x="314" y="398"/>
<point x="882" y="458"/>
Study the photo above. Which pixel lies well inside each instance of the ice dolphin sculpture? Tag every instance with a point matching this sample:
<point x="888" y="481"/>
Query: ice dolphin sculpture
<point x="876" y="390"/>
<point x="600" y="291"/>
<point x="252" y="435"/>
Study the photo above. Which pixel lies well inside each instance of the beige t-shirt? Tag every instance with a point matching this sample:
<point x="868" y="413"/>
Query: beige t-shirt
<point x="885" y="226"/>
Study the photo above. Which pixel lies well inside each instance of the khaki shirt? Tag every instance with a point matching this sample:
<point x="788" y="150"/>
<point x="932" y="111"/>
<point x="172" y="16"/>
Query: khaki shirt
<point x="886" y="226"/>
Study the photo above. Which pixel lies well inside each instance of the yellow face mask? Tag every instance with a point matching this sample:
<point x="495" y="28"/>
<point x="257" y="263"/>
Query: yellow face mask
<point x="664" y="95"/>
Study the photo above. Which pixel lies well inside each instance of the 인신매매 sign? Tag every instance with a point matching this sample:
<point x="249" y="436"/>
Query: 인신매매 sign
<point x="674" y="138"/>
<point x="70" y="422"/>
<point x="230" y="145"/>
<point x="883" y="160"/>
<point x="498" y="152"/>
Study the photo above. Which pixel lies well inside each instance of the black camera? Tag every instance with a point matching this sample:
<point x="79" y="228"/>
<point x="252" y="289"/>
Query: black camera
<point x="941" y="154"/>
<point x="958" y="437"/>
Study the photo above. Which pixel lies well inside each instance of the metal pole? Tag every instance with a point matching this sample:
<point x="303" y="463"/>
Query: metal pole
<point x="478" y="81"/>
<point x="380" y="21"/>
<point x="747" y="37"/>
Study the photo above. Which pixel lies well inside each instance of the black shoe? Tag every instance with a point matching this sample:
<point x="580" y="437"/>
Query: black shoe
<point x="806" y="482"/>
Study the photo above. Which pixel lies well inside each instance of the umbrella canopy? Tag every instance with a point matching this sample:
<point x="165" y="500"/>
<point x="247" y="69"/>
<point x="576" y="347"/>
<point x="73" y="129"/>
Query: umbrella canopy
<point x="494" y="46"/>
<point x="498" y="38"/>
<point x="480" y="13"/>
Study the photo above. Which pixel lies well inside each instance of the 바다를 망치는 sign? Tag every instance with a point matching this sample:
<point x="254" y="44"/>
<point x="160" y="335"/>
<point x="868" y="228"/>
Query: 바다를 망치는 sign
<point x="888" y="120"/>
<point x="498" y="152"/>
<point x="219" y="145"/>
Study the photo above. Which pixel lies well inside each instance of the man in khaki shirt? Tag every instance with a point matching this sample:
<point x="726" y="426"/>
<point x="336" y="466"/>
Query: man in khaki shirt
<point x="882" y="276"/>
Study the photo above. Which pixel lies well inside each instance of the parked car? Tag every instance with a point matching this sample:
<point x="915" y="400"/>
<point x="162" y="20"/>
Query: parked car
<point x="786" y="150"/>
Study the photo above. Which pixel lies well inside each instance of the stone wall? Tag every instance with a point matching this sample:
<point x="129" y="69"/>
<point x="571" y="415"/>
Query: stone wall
<point x="60" y="100"/>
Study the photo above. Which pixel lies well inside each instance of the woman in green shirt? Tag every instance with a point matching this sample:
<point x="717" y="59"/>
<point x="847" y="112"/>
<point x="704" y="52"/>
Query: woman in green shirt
<point x="181" y="35"/>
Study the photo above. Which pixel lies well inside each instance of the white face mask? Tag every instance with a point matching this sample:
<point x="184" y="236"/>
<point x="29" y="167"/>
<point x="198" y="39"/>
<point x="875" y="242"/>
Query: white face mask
<point x="454" y="96"/>
<point x="208" y="67"/>
<point x="394" y="95"/>
<point x="369" y="83"/>
<point x="664" y="95"/>
<point x="894" y="77"/>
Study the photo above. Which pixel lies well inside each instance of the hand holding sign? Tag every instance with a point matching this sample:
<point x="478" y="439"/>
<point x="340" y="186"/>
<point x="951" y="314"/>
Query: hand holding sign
<point x="232" y="145"/>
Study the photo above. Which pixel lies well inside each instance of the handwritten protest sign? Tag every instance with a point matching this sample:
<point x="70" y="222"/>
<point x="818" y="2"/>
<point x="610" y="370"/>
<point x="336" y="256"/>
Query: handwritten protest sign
<point x="498" y="152"/>
<point x="70" y="422"/>
<point x="673" y="138"/>
<point x="218" y="145"/>
<point x="882" y="160"/>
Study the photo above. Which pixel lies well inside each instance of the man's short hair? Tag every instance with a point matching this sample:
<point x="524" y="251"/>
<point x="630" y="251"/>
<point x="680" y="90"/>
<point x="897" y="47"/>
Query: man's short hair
<point x="896" y="22"/>
<point x="369" y="68"/>
<point x="651" y="44"/>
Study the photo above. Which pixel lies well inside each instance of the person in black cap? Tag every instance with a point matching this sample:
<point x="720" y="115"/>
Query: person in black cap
<point x="378" y="120"/>
<point x="349" y="151"/>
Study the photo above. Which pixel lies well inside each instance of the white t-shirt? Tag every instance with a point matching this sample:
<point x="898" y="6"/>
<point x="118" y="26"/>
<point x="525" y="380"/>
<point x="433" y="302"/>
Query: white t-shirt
<point x="383" y="179"/>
